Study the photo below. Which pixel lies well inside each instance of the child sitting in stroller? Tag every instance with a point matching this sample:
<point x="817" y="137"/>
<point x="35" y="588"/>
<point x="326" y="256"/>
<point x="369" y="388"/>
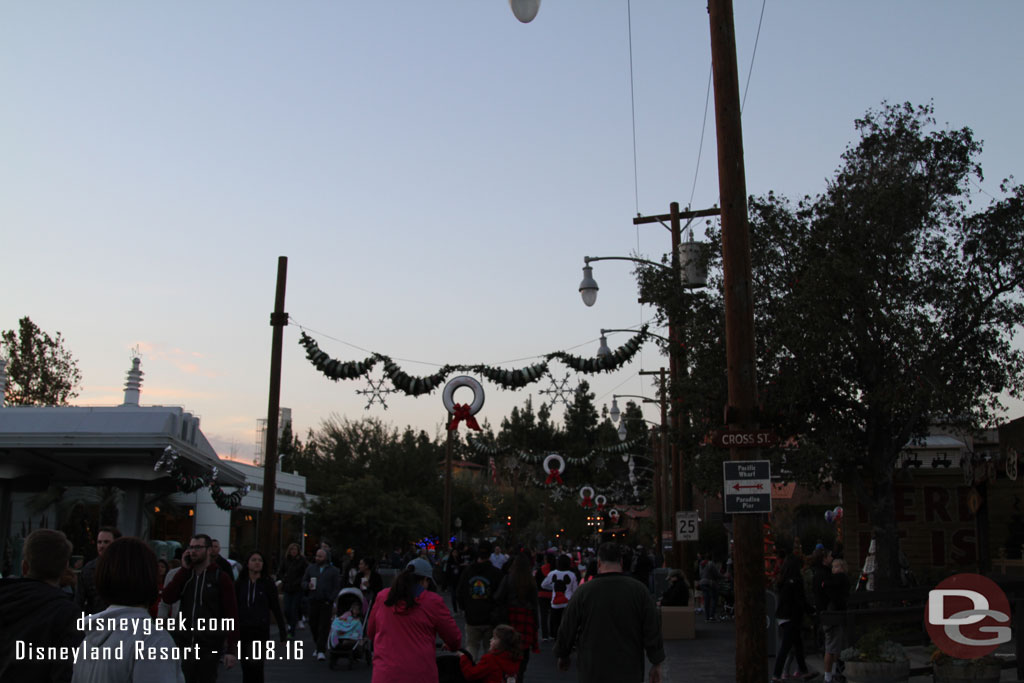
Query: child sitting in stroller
<point x="346" y="636"/>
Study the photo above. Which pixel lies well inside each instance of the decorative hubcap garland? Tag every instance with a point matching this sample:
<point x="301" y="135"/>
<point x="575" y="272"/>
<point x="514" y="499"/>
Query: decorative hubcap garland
<point x="335" y="369"/>
<point x="190" y="484"/>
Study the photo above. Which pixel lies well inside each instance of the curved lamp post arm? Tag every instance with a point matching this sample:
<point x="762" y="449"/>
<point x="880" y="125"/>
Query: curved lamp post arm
<point x="588" y="286"/>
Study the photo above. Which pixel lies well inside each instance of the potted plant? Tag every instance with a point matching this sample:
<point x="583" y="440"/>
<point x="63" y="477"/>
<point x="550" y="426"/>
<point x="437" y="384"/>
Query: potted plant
<point x="947" y="669"/>
<point x="876" y="659"/>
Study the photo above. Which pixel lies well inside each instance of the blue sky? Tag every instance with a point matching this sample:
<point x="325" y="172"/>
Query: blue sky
<point x="435" y="173"/>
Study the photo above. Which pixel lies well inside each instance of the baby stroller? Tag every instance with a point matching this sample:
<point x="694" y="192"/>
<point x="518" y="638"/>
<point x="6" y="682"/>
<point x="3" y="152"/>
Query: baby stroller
<point x="726" y="600"/>
<point x="347" y="648"/>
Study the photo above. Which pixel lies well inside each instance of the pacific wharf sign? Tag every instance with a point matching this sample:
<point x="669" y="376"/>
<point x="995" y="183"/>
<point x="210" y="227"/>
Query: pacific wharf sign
<point x="747" y="486"/>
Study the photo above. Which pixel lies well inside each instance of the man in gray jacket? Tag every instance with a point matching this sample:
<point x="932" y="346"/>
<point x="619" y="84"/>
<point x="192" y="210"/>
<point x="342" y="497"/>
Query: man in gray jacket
<point x="323" y="582"/>
<point x="613" y="622"/>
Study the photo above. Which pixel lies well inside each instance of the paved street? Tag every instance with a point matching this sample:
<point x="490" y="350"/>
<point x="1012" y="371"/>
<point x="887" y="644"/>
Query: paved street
<point x="710" y="658"/>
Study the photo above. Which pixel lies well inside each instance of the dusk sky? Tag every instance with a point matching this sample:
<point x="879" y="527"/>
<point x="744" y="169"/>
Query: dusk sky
<point x="435" y="173"/>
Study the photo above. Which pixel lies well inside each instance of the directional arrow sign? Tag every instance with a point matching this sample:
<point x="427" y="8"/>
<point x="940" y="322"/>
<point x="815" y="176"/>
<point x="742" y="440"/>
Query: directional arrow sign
<point x="747" y="486"/>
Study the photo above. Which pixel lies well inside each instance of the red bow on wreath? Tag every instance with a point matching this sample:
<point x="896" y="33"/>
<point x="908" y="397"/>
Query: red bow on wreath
<point x="462" y="413"/>
<point x="554" y="476"/>
<point x="600" y="507"/>
<point x="587" y="502"/>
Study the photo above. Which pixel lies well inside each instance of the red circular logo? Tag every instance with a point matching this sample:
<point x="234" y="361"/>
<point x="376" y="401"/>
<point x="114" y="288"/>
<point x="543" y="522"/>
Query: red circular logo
<point x="967" y="616"/>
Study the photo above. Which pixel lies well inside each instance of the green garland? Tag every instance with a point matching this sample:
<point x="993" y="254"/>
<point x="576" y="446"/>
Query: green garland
<point x="413" y="386"/>
<point x="614" y="360"/>
<point x="335" y="369"/>
<point x="190" y="484"/>
<point x="509" y="379"/>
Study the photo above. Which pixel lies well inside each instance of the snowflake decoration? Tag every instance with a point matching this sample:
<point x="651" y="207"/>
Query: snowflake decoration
<point x="557" y="494"/>
<point x="376" y="392"/>
<point x="600" y="462"/>
<point x="559" y="391"/>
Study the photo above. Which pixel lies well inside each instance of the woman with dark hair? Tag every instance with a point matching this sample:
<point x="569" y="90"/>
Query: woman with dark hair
<point x="789" y="614"/>
<point x="126" y="578"/>
<point x="293" y="568"/>
<point x="256" y="595"/>
<point x="404" y="623"/>
<point x="368" y="580"/>
<point x="518" y="594"/>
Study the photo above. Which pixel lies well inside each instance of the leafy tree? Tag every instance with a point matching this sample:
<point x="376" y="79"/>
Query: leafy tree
<point x="883" y="307"/>
<point x="40" y="371"/>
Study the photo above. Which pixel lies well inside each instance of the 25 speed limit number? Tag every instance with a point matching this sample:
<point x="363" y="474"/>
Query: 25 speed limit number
<point x="687" y="526"/>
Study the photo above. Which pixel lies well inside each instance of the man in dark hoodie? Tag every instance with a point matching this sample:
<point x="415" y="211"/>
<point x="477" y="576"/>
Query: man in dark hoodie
<point x="207" y="593"/>
<point x="477" y="588"/>
<point x="36" y="612"/>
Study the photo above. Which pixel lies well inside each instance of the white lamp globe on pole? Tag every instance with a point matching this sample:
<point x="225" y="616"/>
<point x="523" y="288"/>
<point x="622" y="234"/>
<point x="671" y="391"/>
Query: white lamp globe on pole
<point x="622" y="431"/>
<point x="525" y="10"/>
<point x="614" y="413"/>
<point x="588" y="286"/>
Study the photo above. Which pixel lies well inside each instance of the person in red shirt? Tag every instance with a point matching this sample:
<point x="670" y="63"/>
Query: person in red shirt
<point x="501" y="663"/>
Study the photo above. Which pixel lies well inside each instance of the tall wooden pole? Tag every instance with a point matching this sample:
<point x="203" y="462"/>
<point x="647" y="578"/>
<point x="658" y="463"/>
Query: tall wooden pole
<point x="748" y="562"/>
<point x="278" y="320"/>
<point x="446" y="521"/>
<point x="662" y="483"/>
<point x="682" y="497"/>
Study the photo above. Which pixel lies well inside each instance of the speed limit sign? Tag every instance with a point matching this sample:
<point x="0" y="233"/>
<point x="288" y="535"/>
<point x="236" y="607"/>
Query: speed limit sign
<point x="687" y="525"/>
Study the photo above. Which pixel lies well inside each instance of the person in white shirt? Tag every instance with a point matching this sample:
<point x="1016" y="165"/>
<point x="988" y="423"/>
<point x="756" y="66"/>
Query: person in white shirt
<point x="498" y="558"/>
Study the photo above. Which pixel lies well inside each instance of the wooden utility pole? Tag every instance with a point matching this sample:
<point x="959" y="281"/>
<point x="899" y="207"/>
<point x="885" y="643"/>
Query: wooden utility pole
<point x="741" y="413"/>
<point x="661" y="486"/>
<point x="446" y="521"/>
<point x="278" y="320"/>
<point x="682" y="496"/>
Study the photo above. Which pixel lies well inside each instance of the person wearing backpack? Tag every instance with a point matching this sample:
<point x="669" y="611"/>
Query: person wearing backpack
<point x="562" y="584"/>
<point x="477" y="589"/>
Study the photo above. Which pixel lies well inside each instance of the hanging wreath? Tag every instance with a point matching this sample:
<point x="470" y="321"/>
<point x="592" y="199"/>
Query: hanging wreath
<point x="554" y="465"/>
<point x="615" y="359"/>
<point x="333" y="368"/>
<point x="587" y="494"/>
<point x="613" y="515"/>
<point x="413" y="386"/>
<point x="600" y="501"/>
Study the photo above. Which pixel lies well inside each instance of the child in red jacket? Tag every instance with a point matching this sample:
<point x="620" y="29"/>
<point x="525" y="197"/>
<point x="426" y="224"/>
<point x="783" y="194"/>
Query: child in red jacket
<point x="501" y="663"/>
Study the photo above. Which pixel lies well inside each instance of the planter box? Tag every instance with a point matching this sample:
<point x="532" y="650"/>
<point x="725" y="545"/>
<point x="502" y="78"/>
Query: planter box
<point x="877" y="672"/>
<point x="677" y="623"/>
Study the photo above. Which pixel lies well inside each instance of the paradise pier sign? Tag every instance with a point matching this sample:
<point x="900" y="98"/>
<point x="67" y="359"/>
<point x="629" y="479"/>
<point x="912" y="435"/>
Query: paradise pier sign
<point x="747" y="486"/>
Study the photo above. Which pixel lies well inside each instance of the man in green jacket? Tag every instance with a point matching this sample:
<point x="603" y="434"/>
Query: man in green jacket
<point x="613" y="622"/>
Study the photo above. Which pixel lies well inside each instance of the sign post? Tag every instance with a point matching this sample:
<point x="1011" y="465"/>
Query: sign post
<point x="687" y="525"/>
<point x="747" y="486"/>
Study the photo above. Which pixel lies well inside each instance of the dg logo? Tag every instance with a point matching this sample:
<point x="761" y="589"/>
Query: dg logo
<point x="967" y="616"/>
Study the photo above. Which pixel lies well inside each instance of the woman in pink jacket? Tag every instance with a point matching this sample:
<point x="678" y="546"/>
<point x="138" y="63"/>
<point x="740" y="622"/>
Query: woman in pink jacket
<point x="404" y="624"/>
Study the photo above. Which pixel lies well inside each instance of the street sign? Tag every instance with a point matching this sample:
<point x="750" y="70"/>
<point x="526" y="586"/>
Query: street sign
<point x="757" y="438"/>
<point x="747" y="486"/>
<point x="687" y="525"/>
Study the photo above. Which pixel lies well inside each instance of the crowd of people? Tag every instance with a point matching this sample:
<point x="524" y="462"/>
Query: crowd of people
<point x="127" y="616"/>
